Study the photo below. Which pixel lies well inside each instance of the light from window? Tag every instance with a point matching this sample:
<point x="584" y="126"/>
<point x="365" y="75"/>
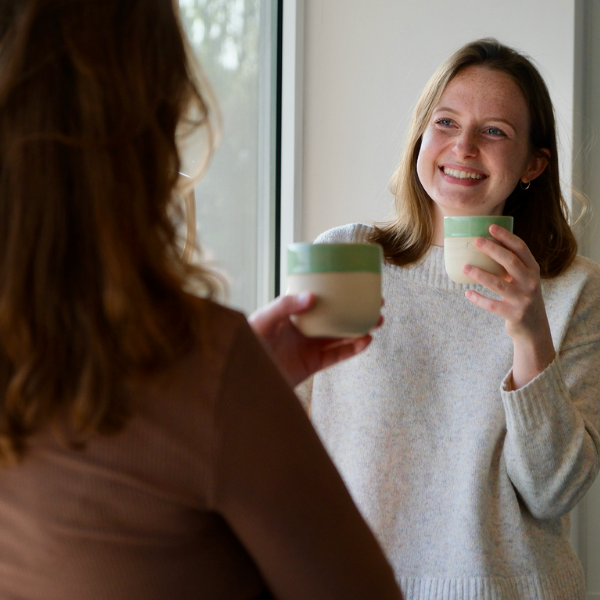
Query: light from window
<point x="235" y="43"/>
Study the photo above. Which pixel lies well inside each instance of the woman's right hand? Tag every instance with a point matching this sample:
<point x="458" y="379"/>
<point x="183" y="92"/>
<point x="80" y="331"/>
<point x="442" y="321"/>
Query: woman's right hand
<point x="521" y="305"/>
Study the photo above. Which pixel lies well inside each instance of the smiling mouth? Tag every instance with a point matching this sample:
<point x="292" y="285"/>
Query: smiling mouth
<point x="462" y="174"/>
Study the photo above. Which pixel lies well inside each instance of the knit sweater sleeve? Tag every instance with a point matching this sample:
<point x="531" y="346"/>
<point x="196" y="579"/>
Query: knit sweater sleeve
<point x="552" y="446"/>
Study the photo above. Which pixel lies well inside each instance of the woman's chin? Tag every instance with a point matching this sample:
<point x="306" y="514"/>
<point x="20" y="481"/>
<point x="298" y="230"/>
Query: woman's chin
<point x="458" y="207"/>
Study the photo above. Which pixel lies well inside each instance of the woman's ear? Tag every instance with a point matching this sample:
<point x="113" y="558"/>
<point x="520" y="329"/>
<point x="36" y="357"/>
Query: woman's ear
<point x="537" y="163"/>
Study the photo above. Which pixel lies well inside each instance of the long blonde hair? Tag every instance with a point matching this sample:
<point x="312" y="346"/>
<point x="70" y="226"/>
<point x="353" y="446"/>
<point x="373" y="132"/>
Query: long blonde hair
<point x="94" y="290"/>
<point x="541" y="213"/>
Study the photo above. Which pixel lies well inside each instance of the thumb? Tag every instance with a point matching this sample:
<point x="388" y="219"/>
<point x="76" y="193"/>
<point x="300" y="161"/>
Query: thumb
<point x="281" y="308"/>
<point x="298" y="303"/>
<point x="291" y="304"/>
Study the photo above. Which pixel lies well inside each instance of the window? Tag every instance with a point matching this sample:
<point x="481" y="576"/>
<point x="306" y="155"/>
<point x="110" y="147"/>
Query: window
<point x="236" y="42"/>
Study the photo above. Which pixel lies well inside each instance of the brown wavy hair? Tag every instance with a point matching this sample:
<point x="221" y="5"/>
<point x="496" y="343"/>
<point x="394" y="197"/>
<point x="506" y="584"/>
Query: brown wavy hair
<point x="541" y="213"/>
<point x="94" y="288"/>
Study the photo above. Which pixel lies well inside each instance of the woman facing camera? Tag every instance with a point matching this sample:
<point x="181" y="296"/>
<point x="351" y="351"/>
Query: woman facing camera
<point x="149" y="447"/>
<point x="469" y="429"/>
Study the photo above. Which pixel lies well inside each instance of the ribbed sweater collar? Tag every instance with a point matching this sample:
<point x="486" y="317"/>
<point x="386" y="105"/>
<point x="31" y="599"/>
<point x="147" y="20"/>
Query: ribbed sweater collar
<point x="431" y="272"/>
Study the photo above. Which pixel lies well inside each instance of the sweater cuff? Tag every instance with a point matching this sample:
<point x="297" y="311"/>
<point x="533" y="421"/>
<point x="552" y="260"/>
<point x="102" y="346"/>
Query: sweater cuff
<point x="544" y="398"/>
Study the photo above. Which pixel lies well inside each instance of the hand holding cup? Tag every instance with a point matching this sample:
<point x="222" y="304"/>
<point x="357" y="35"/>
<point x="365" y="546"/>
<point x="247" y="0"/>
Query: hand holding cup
<point x="460" y="249"/>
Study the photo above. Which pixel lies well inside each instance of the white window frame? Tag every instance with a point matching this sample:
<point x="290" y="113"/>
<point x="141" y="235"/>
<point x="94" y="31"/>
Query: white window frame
<point x="292" y="112"/>
<point x="267" y="158"/>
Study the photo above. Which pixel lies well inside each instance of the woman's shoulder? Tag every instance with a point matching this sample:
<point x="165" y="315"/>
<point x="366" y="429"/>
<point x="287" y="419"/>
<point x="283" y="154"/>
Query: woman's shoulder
<point x="582" y="270"/>
<point x="216" y="327"/>
<point x="217" y="332"/>
<point x="223" y="313"/>
<point x="589" y="272"/>
<point x="586" y="265"/>
<point x="345" y="234"/>
<point x="578" y="285"/>
<point x="219" y="319"/>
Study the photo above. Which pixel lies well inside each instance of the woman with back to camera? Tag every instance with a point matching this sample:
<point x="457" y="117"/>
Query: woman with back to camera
<point x="149" y="448"/>
<point x="469" y="428"/>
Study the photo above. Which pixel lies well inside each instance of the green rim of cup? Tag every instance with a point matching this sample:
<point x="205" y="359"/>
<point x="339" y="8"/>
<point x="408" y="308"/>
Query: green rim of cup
<point x="474" y="226"/>
<point x="325" y="258"/>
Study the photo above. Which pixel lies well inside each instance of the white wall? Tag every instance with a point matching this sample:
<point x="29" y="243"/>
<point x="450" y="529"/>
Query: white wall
<point x="365" y="63"/>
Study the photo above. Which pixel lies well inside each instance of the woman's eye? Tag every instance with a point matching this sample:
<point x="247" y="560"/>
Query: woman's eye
<point x="494" y="131"/>
<point x="444" y="122"/>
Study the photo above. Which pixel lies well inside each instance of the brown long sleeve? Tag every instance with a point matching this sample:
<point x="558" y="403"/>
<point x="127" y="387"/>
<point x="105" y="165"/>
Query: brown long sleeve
<point x="280" y="493"/>
<point x="218" y="488"/>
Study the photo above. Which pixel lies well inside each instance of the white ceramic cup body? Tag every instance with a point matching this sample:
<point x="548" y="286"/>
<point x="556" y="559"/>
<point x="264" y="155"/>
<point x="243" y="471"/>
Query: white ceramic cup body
<point x="347" y="305"/>
<point x="461" y="251"/>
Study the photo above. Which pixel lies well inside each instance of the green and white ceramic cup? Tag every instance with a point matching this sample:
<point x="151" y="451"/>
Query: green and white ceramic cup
<point x="460" y="249"/>
<point x="346" y="279"/>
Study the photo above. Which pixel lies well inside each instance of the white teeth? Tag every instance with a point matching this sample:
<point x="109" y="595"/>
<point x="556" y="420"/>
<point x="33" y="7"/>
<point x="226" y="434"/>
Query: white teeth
<point x="462" y="174"/>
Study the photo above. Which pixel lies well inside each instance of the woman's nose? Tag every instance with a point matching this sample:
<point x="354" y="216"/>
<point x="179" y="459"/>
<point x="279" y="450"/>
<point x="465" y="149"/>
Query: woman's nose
<point x="465" y="144"/>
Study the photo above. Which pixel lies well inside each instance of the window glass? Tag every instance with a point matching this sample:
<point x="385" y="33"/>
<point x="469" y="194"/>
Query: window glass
<point x="235" y="44"/>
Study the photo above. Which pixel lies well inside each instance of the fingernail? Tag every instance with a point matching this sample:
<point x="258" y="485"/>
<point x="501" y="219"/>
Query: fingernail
<point x="303" y="298"/>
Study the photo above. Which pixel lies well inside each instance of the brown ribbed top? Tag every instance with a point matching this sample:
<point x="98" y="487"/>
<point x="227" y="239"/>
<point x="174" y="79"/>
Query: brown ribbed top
<point x="218" y="488"/>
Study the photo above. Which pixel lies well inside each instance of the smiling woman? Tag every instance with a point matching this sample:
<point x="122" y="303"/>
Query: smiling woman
<point x="475" y="148"/>
<point x="472" y="421"/>
<point x="541" y="215"/>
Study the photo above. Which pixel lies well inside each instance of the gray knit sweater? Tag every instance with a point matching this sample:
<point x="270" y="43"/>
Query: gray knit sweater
<point x="467" y="485"/>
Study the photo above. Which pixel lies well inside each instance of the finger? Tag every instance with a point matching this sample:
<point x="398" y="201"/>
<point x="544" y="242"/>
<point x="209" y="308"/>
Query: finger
<point x="293" y="304"/>
<point x="330" y="343"/>
<point x="379" y="323"/>
<point x="496" y="307"/>
<point x="282" y="307"/>
<point x="512" y="264"/>
<point x="514" y="243"/>
<point x="492" y="282"/>
<point x="338" y="353"/>
<point x="496" y="249"/>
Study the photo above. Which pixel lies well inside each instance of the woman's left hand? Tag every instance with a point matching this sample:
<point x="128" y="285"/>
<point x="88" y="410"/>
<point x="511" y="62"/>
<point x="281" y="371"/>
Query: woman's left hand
<point x="299" y="356"/>
<point x="522" y="304"/>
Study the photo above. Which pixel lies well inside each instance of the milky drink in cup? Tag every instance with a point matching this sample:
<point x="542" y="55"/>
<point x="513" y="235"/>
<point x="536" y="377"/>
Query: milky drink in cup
<point x="346" y="280"/>
<point x="459" y="244"/>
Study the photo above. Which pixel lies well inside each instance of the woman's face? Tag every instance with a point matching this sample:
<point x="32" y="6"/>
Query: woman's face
<point x="475" y="147"/>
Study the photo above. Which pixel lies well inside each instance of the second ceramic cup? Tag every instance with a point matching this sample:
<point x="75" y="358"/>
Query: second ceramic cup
<point x="459" y="244"/>
<point x="346" y="278"/>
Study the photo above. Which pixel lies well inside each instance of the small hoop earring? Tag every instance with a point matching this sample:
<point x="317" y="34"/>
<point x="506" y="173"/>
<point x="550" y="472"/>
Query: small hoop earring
<point x="524" y="186"/>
